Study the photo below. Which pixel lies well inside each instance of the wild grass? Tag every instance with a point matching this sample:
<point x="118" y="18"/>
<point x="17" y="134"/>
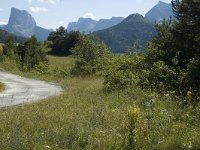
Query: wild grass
<point x="2" y="87"/>
<point x="85" y="117"/>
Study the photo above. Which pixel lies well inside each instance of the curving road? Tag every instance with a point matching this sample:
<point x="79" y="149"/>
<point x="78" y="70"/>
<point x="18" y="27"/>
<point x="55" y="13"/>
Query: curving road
<point x="20" y="90"/>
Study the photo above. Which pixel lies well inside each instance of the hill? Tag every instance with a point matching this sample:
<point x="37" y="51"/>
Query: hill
<point x="135" y="28"/>
<point x="4" y="34"/>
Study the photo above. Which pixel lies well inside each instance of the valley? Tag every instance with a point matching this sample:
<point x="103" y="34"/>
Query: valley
<point x="129" y="83"/>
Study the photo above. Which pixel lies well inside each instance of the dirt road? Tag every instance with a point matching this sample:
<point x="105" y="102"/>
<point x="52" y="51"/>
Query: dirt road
<point x="21" y="90"/>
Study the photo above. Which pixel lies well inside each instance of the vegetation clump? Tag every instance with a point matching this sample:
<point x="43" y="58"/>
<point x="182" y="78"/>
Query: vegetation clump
<point x="2" y="87"/>
<point x="61" y="41"/>
<point x="171" y="62"/>
<point x="91" y="55"/>
<point x="25" y="56"/>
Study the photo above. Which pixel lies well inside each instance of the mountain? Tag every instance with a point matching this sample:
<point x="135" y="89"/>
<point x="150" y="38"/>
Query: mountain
<point x="135" y="28"/>
<point x="159" y="12"/>
<point x="87" y="25"/>
<point x="21" y="23"/>
<point x="4" y="34"/>
<point x="107" y="23"/>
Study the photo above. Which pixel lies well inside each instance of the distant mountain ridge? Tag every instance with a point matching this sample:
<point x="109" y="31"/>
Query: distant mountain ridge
<point x="159" y="12"/>
<point x="134" y="28"/>
<point x="87" y="25"/>
<point x="21" y="23"/>
<point x="121" y="31"/>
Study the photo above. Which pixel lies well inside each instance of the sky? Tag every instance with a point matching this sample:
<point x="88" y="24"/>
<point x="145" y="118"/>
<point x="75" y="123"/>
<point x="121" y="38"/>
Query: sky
<point x="51" y="14"/>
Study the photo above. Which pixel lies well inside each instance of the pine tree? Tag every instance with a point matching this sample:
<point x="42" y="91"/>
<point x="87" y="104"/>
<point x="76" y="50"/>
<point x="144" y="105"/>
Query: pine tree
<point x="187" y="36"/>
<point x="187" y="29"/>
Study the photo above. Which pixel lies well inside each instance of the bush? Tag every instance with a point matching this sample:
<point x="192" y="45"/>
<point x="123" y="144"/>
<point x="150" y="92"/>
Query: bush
<point x="2" y="87"/>
<point x="123" y="72"/>
<point x="32" y="53"/>
<point x="91" y="56"/>
<point x="42" y="68"/>
<point x="1" y="50"/>
<point x="161" y="77"/>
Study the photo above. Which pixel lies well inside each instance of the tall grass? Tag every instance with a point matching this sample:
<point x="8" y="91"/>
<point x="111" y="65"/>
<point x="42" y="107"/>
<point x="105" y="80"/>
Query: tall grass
<point x="85" y="117"/>
<point x="2" y="87"/>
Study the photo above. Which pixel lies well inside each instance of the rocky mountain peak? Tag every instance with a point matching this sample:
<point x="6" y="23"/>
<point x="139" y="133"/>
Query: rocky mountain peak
<point x="159" y="12"/>
<point x="21" y="18"/>
<point x="161" y="3"/>
<point x="22" y="24"/>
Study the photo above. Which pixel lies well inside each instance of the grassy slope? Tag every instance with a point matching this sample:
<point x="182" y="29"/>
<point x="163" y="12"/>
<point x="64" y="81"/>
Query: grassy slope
<point x="83" y="117"/>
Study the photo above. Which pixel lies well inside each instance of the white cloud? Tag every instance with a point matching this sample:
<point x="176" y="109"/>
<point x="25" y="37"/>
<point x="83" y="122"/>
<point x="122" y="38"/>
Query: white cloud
<point x="89" y="15"/>
<point x="38" y="9"/>
<point x="3" y="22"/>
<point x="44" y="1"/>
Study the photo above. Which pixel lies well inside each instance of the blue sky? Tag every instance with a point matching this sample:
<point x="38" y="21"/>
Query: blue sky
<point x="54" y="13"/>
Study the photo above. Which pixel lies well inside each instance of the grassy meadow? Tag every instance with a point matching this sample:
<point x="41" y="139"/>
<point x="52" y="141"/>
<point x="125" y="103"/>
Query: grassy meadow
<point x="86" y="117"/>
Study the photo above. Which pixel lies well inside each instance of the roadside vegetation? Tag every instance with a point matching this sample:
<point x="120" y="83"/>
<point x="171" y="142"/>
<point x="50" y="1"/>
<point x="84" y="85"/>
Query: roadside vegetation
<point x="144" y="100"/>
<point x="2" y="87"/>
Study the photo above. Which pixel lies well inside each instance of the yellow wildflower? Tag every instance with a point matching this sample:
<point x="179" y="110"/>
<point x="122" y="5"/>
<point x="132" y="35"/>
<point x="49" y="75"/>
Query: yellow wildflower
<point x="189" y="95"/>
<point x="134" y="112"/>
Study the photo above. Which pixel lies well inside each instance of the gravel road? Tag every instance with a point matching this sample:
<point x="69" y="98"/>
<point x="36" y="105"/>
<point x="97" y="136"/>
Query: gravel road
<point x="20" y="90"/>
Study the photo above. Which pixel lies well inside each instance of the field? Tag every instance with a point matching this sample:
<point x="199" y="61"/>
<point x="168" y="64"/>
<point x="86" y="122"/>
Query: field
<point x="86" y="117"/>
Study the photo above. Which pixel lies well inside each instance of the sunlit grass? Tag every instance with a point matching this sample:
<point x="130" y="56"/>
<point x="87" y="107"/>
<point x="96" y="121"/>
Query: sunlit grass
<point x="84" y="117"/>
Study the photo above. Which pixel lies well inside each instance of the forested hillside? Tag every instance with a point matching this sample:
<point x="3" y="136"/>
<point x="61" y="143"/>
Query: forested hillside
<point x="134" y="29"/>
<point x="4" y="34"/>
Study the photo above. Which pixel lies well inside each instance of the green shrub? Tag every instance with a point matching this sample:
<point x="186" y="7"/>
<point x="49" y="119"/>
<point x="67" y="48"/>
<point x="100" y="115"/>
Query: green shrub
<point x="122" y="72"/>
<point x="1" y="50"/>
<point x="31" y="53"/>
<point x="91" y="56"/>
<point x="2" y="87"/>
<point x="173" y="55"/>
<point x="42" y="68"/>
<point x="161" y="77"/>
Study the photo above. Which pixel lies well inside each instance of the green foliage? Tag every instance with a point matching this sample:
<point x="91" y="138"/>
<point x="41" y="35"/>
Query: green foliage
<point x="160" y="77"/>
<point x="9" y="48"/>
<point x="2" y="87"/>
<point x="31" y="53"/>
<point x="91" y="56"/>
<point x="173" y="55"/>
<point x="122" y="72"/>
<point x="61" y="41"/>
<point x="42" y="67"/>
<point x="25" y="56"/>
<point x="1" y="50"/>
<point x="84" y="117"/>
